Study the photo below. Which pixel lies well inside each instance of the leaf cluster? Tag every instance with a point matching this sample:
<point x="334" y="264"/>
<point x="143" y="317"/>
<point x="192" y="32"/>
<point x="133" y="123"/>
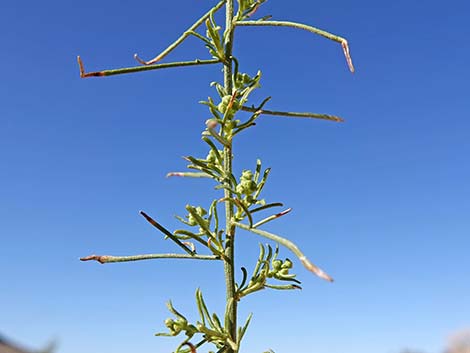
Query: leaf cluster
<point x="209" y="327"/>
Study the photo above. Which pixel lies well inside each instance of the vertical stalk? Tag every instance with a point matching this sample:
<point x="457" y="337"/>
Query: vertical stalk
<point x="229" y="263"/>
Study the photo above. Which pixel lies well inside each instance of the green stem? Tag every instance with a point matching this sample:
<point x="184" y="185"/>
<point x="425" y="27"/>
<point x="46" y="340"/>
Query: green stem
<point x="108" y="259"/>
<point x="229" y="262"/>
<point x="128" y="70"/>
<point x="294" y="114"/>
<point x="341" y="40"/>
<point x="185" y="35"/>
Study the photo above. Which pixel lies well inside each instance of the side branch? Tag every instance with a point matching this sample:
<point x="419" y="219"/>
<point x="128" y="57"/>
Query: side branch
<point x="291" y="246"/>
<point x="128" y="70"/>
<point x="271" y="218"/>
<point x="341" y="40"/>
<point x="182" y="37"/>
<point x="103" y="259"/>
<point x="294" y="114"/>
<point x="188" y="175"/>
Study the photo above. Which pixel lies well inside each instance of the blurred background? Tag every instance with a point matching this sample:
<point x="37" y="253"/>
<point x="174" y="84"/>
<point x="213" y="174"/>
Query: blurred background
<point x="381" y="202"/>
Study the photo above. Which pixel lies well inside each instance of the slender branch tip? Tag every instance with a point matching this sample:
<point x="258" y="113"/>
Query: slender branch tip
<point x="100" y="258"/>
<point x="293" y="114"/>
<point x="172" y="174"/>
<point x="82" y="68"/>
<point x="280" y="214"/>
<point x="143" y="62"/>
<point x="345" y="46"/>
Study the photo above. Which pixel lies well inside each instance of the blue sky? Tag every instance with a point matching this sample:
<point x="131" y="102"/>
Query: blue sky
<point x="381" y="202"/>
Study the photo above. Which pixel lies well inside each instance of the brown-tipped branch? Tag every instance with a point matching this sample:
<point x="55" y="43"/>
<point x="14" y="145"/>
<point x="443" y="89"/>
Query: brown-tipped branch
<point x="181" y="39"/>
<point x="128" y="70"/>
<point x="167" y="233"/>
<point x="294" y="114"/>
<point x="291" y="246"/>
<point x="270" y="218"/>
<point x="333" y="37"/>
<point x="104" y="259"/>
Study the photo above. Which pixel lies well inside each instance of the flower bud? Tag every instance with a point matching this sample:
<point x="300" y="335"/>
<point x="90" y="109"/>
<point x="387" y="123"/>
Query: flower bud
<point x="191" y="220"/>
<point x="201" y="211"/>
<point x="211" y="157"/>
<point x="247" y="175"/>
<point x="246" y="79"/>
<point x="277" y="264"/>
<point x="169" y="323"/>
<point x="223" y="105"/>
<point x="287" y="264"/>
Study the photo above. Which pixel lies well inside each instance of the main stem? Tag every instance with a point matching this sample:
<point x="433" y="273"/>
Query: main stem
<point x="229" y="263"/>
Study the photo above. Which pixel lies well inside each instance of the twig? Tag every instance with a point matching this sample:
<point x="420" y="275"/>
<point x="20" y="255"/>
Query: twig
<point x="182" y="37"/>
<point x="103" y="259"/>
<point x="294" y="114"/>
<point x="291" y="246"/>
<point x="270" y="218"/>
<point x="343" y="41"/>
<point x="188" y="175"/>
<point x="128" y="70"/>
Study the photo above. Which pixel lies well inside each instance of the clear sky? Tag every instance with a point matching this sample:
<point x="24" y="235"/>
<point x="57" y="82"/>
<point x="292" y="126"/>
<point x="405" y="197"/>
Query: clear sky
<point x="381" y="201"/>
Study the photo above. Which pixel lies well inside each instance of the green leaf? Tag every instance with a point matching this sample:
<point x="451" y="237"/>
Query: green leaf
<point x="214" y="148"/>
<point x="213" y="212"/>
<point x="166" y="232"/>
<point x="203" y="164"/>
<point x="243" y="329"/>
<point x="216" y="321"/>
<point x="220" y="89"/>
<point x="257" y="171"/>
<point x="244" y="278"/>
<point x="182" y="220"/>
<point x="200" y="221"/>
<point x="203" y="308"/>
<point x="283" y="287"/>
<point x="212" y="108"/>
<point x="228" y="309"/>
<point x="263" y="181"/>
<point x="174" y="311"/>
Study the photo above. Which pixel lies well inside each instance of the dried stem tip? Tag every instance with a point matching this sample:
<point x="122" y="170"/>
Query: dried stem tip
<point x="345" y="46"/>
<point x="100" y="258"/>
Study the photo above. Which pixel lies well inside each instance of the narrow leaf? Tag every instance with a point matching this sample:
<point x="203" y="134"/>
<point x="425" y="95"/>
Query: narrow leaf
<point x="166" y="232"/>
<point x="244" y="328"/>
<point x="264" y="207"/>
